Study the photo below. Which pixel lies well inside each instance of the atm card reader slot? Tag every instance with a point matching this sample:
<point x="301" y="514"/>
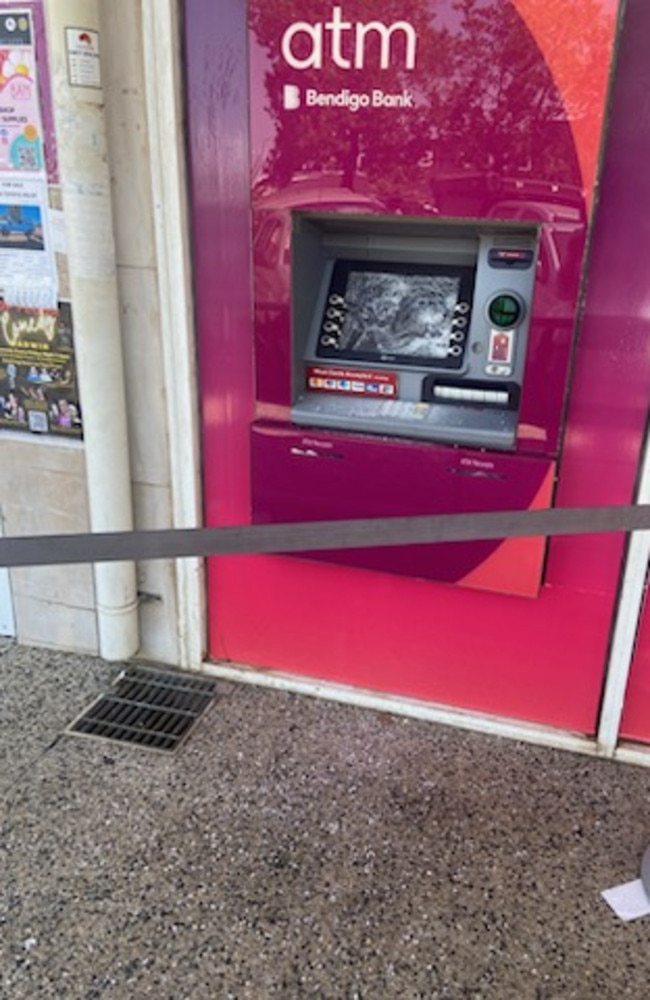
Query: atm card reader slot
<point x="470" y="392"/>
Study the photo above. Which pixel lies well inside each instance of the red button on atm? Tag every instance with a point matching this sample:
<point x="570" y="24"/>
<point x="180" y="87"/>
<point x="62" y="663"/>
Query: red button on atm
<point x="501" y="345"/>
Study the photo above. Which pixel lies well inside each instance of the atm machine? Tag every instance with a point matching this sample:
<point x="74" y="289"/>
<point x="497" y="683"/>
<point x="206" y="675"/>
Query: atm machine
<point x="409" y="347"/>
<point x="412" y="347"/>
<point x="419" y="208"/>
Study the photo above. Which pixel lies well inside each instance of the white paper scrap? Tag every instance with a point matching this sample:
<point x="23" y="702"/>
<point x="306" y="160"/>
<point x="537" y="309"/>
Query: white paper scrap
<point x="57" y="231"/>
<point x="628" y="901"/>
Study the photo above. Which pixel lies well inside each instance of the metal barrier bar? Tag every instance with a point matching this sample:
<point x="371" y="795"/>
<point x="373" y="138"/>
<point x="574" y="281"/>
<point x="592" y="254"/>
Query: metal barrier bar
<point x="48" y="550"/>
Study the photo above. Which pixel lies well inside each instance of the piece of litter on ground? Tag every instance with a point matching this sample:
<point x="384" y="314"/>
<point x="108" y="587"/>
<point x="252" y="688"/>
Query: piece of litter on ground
<point x="628" y="901"/>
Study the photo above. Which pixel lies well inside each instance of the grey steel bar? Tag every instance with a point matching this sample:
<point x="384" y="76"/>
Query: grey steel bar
<point x="47" y="550"/>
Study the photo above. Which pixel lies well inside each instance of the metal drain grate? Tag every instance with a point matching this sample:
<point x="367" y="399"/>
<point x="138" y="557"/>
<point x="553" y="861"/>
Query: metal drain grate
<point x="151" y="708"/>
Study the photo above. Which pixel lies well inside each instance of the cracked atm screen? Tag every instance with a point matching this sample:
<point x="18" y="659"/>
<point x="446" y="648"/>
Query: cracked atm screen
<point x="391" y="314"/>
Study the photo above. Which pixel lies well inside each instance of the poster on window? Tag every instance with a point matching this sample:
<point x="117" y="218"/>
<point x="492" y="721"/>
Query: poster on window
<point x="38" y="377"/>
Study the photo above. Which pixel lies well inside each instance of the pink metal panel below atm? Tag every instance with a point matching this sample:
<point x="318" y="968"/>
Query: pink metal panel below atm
<point x="315" y="475"/>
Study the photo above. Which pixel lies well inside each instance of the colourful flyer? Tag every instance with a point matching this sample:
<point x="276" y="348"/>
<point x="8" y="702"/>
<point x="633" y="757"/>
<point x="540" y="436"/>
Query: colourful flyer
<point x="38" y="375"/>
<point x="21" y="133"/>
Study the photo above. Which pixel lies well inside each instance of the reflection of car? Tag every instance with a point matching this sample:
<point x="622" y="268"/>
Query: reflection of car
<point x="272" y="239"/>
<point x="561" y="244"/>
<point x="11" y="225"/>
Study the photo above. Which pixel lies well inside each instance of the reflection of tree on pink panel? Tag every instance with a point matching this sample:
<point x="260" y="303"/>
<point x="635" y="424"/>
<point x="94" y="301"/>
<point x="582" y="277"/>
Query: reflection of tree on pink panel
<point x="481" y="98"/>
<point x="357" y="48"/>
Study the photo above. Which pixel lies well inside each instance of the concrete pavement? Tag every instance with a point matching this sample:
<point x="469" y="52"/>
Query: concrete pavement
<point x="294" y="848"/>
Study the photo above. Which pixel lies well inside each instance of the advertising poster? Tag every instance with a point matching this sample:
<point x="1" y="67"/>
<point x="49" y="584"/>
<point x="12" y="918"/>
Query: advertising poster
<point x="21" y="134"/>
<point x="28" y="275"/>
<point x="38" y="378"/>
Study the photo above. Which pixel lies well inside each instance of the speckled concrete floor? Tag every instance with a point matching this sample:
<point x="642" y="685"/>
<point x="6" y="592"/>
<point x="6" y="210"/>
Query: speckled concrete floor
<point x="295" y="848"/>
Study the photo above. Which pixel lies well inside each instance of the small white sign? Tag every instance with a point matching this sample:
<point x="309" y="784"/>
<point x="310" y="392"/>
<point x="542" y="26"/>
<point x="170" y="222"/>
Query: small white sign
<point x="82" y="47"/>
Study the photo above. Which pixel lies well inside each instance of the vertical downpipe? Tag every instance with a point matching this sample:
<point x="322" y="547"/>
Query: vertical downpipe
<point x="85" y="182"/>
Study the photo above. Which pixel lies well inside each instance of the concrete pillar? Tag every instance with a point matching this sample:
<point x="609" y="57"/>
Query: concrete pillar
<point x="85" y="183"/>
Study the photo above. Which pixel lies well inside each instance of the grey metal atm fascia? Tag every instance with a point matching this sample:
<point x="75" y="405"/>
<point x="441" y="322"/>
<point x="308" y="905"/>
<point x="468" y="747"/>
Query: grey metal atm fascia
<point x="320" y="240"/>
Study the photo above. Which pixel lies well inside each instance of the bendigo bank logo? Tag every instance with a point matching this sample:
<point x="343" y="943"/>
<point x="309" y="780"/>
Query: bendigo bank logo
<point x="318" y="42"/>
<point x="291" y="97"/>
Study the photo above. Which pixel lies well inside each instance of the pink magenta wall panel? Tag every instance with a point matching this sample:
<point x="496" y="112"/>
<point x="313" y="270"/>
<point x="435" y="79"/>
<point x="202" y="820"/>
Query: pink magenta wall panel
<point x="623" y="289"/>
<point x="541" y="658"/>
<point x="220" y="190"/>
<point x="416" y="638"/>
<point x="632" y="321"/>
<point x="635" y="724"/>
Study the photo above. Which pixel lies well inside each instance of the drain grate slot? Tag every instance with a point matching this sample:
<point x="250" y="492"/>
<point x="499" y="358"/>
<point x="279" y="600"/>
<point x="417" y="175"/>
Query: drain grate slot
<point x="150" y="708"/>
